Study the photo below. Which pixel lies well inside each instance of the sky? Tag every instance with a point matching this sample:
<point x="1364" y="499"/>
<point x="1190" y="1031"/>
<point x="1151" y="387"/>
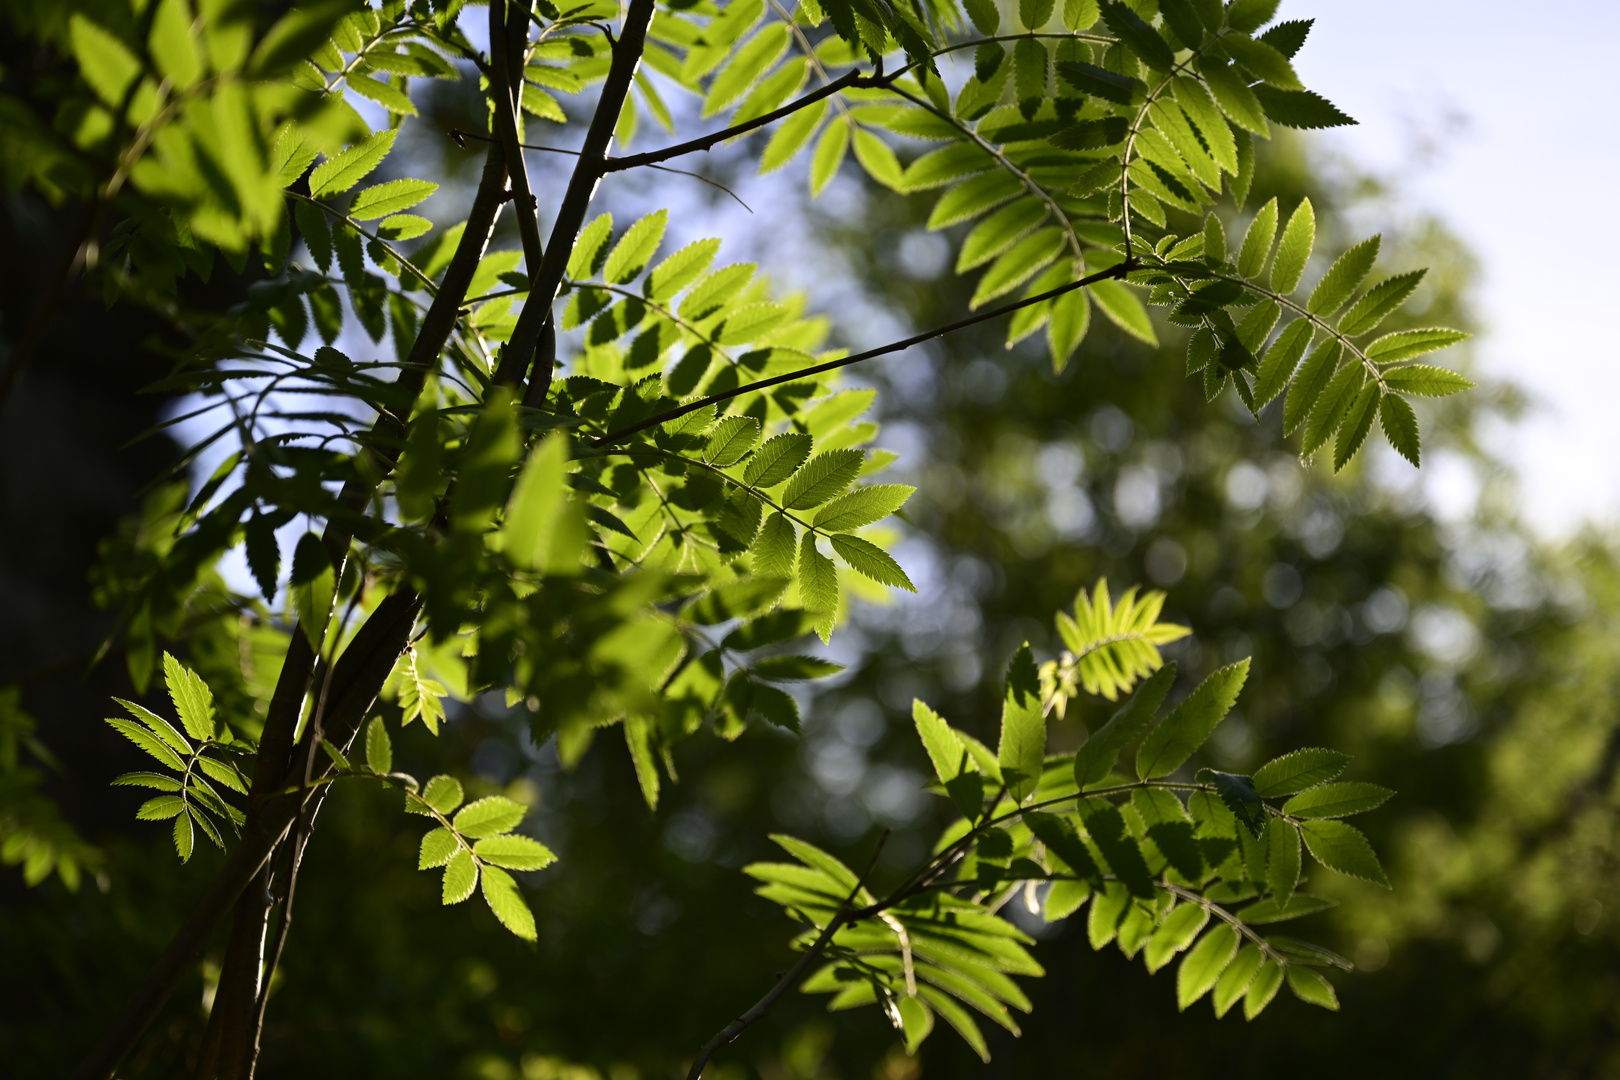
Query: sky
<point x="1504" y="108"/>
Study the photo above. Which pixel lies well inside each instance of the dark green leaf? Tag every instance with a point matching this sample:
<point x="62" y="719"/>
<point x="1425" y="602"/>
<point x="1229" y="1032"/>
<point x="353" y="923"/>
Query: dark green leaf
<point x="1342" y="847"/>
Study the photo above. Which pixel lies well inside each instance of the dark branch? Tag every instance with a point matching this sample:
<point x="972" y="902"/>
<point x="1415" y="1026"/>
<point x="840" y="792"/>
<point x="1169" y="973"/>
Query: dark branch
<point x="705" y="142"/>
<point x="883" y="350"/>
<point x="791" y="979"/>
<point x="576" y="201"/>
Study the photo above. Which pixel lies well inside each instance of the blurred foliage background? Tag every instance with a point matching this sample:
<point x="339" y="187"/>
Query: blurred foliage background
<point x="1465" y="662"/>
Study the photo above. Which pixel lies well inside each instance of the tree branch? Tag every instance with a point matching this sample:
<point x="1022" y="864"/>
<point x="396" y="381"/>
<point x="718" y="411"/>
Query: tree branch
<point x="361" y="671"/>
<point x="705" y="142"/>
<point x="1112" y="272"/>
<point x="267" y="819"/>
<point x="503" y="44"/>
<point x="515" y="360"/>
<point x="791" y="978"/>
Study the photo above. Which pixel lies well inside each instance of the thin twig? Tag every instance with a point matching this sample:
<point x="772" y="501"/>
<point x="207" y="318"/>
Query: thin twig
<point x="1111" y="273"/>
<point x="706" y="142"/>
<point x="791" y="978"/>
<point x="461" y="137"/>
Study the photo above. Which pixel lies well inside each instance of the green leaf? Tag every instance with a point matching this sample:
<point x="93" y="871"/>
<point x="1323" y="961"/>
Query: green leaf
<point x="1400" y="427"/>
<point x="1330" y="408"/>
<point x="680" y="269"/>
<point x="1102" y="922"/>
<point x="1257" y="241"/>
<point x="1235" y="980"/>
<point x="387" y="95"/>
<point x="869" y="560"/>
<point x="1033" y="13"/>
<point x="147" y="780"/>
<point x="159" y="726"/>
<point x="1201" y="109"/>
<point x="973" y="197"/>
<point x="460" y="877"/>
<point x="1262" y="989"/>
<point x="774" y="706"/>
<point x="1095" y="760"/>
<point x="879" y="160"/>
<point x="1343" y="277"/>
<point x="1237" y="794"/>
<point x="1250" y="15"/>
<point x="1067" y="326"/>
<point x="1279" y="361"/>
<point x="1282" y="860"/>
<point x="1030" y="61"/>
<point x="1106" y="827"/>
<point x="1137" y="36"/>
<point x="1425" y="381"/>
<point x="443" y="793"/>
<point x="1204" y="963"/>
<point x="313" y="587"/>
<point x="710" y="295"/>
<point x="737" y="599"/>
<point x="1312" y="379"/>
<point x="862" y="506"/>
<point x="1233" y="95"/>
<point x="1020" y="263"/>
<point x="635" y="248"/>
<point x="773" y="547"/>
<point x="1100" y="82"/>
<point x="1299" y="236"/>
<point x="104" y="61"/>
<point x="173" y="45"/>
<point x="183" y="836"/>
<point x="996" y="233"/>
<point x="792" y="136"/>
<point x="353" y="165"/>
<point x="1312" y="987"/>
<point x="1337" y="800"/>
<point x="437" y="847"/>
<point x="1300" y="108"/>
<point x="1177" y="931"/>
<point x="380" y="200"/>
<point x="1023" y="727"/>
<point x="1288" y="37"/>
<point x="1268" y="911"/>
<point x="590" y="248"/>
<point x="1298" y="770"/>
<point x="488" y="816"/>
<point x="985" y="15"/>
<point x="818" y="579"/>
<point x="777" y="459"/>
<point x="1061" y="840"/>
<point x="746" y="66"/>
<point x="1124" y="310"/>
<point x="732" y="438"/>
<point x="957" y="1017"/>
<point x="1342" y="847"/>
<point x="1379" y="302"/>
<point x="337" y="756"/>
<point x="1358" y="421"/>
<point x="193" y="701"/>
<point x="787" y="668"/>
<point x="828" y="156"/>
<point x="379" y="748"/>
<point x="1185" y="729"/>
<point x="1406" y="344"/>
<point x="1263" y="60"/>
<point x="544" y="530"/>
<point x="149" y="743"/>
<point x="161" y="808"/>
<point x="822" y="478"/>
<point x="506" y="901"/>
<point x="514" y="852"/>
